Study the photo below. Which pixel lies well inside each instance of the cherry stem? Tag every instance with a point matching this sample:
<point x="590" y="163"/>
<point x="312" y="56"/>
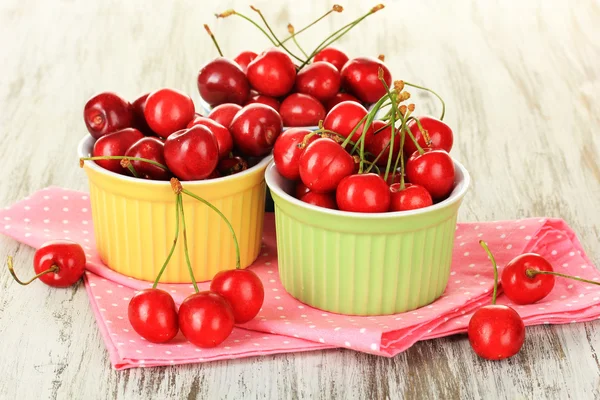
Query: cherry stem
<point x="392" y="123"/>
<point x="291" y="30"/>
<point x="412" y="137"/>
<point x="214" y="39"/>
<point x="434" y="93"/>
<point x="377" y="158"/>
<point x="336" y="8"/>
<point x="185" y="245"/>
<point x="346" y="28"/>
<point x="123" y="158"/>
<point x="125" y="163"/>
<point x="531" y="273"/>
<point x="369" y="120"/>
<point x="279" y="43"/>
<point x="493" y="260"/>
<point x="422" y="130"/>
<point x="9" y="261"/>
<point x="233" y="12"/>
<point x="400" y="156"/>
<point x="215" y="209"/>
<point x="177" y="202"/>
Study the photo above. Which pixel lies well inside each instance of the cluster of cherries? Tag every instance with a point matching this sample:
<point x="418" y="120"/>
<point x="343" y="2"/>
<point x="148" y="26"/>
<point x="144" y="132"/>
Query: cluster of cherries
<point x="497" y="331"/>
<point x="205" y="318"/>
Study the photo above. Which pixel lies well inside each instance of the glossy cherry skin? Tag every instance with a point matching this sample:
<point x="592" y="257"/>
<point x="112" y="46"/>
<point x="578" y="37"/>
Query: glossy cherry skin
<point x="168" y="111"/>
<point x="115" y="144"/>
<point x="139" y="120"/>
<point x="324" y="164"/>
<point x="106" y="113"/>
<point x="337" y="99"/>
<point x="332" y="55"/>
<point x="245" y="58"/>
<point x="325" y="200"/>
<point x="255" y="129"/>
<point x="153" y="315"/>
<point x="224" y="113"/>
<point x="230" y="166"/>
<point x="206" y="319"/>
<point x="243" y="290"/>
<point x="301" y="110"/>
<point x="68" y="256"/>
<point x="272" y="73"/>
<point x="440" y="134"/>
<point x="520" y="288"/>
<point x="286" y="152"/>
<point x="192" y="154"/>
<point x="344" y="117"/>
<point x="366" y="193"/>
<point x="150" y="148"/>
<point x="433" y="170"/>
<point x="377" y="142"/>
<point x="412" y="197"/>
<point x="320" y="80"/>
<point x="496" y="332"/>
<point x="222" y="134"/>
<point x="360" y="77"/>
<point x="223" y="81"/>
<point x="266" y="100"/>
<point x="300" y="189"/>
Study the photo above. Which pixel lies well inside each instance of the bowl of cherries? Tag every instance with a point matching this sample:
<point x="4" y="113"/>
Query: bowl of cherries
<point x="366" y="205"/>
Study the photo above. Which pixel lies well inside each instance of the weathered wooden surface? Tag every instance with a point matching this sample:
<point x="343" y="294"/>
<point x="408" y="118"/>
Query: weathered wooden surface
<point x="522" y="84"/>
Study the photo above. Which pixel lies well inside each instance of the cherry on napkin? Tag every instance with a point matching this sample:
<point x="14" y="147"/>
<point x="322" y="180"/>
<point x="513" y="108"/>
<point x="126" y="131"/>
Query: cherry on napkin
<point x="284" y="322"/>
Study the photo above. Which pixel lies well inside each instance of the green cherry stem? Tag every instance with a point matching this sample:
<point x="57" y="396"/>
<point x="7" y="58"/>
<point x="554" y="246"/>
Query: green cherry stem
<point x="162" y="270"/>
<point x="185" y="245"/>
<point x="422" y="130"/>
<point x="215" y="209"/>
<point x="125" y="163"/>
<point x="273" y="33"/>
<point x="82" y="159"/>
<point x="291" y="30"/>
<point x="233" y="12"/>
<point x="336" y="8"/>
<point x="434" y="93"/>
<point x="393" y="110"/>
<point x="493" y="260"/>
<point x="531" y="273"/>
<point x="213" y="39"/>
<point x="11" y="269"/>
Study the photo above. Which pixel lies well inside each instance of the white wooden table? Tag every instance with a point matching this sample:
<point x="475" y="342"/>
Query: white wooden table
<point x="522" y="84"/>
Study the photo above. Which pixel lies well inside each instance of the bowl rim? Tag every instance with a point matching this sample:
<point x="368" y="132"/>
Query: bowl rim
<point x="87" y="142"/>
<point x="456" y="196"/>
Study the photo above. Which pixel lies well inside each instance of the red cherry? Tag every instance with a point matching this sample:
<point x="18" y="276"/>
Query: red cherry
<point x="115" y="144"/>
<point x="338" y="98"/>
<point x="332" y="55"/>
<point x="272" y="73"/>
<point x="286" y="152"/>
<point x="434" y="170"/>
<point x="65" y="258"/>
<point x="411" y="197"/>
<point x="325" y="200"/>
<point x="244" y="58"/>
<point x="107" y="112"/>
<point x="139" y="120"/>
<point x="255" y="129"/>
<point x="206" y="319"/>
<point x="192" y="154"/>
<point x="519" y="287"/>
<point x="224" y="113"/>
<point x="222" y="134"/>
<point x="324" y="164"/>
<point x="439" y="133"/>
<point x="360" y="77"/>
<point x="230" y="166"/>
<point x="153" y="315"/>
<point x="320" y="80"/>
<point x="367" y="193"/>
<point x="150" y="148"/>
<point x="243" y="290"/>
<point x="378" y="141"/>
<point x="496" y="332"/>
<point x="168" y="111"/>
<point x="266" y="100"/>
<point x="223" y="81"/>
<point x="301" y="110"/>
<point x="344" y="117"/>
<point x="300" y="190"/>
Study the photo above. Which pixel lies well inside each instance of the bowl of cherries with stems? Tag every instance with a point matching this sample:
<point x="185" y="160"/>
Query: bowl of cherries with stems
<point x="205" y="318"/>
<point x="366" y="205"/>
<point x="496" y="331"/>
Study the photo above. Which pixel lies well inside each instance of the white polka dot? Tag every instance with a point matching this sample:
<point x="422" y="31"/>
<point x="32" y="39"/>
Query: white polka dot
<point x="503" y="236"/>
<point x="527" y="237"/>
<point x="570" y="287"/>
<point x="275" y="289"/>
<point x="338" y="328"/>
<point x="362" y="330"/>
<point x="311" y="326"/>
<point x="65" y="221"/>
<point x="46" y="208"/>
<point x="499" y="227"/>
<point x="114" y="305"/>
<point x="583" y="266"/>
<point x="269" y="272"/>
<point x="300" y="306"/>
<point x="125" y="330"/>
<point x="554" y="252"/>
<point x="84" y="222"/>
<point x="508" y="247"/>
<point x="373" y="346"/>
<point x="454" y="281"/>
<point x="347" y="344"/>
<point x="140" y="352"/>
<point x="321" y="339"/>
<point x="462" y="243"/>
<point x="277" y="297"/>
<point x="46" y="221"/>
<point x="466" y="254"/>
<point x="98" y="297"/>
<point x="453" y="273"/>
<point x="476" y="227"/>
<point x="65" y="197"/>
<point x="84" y="210"/>
<point x="565" y="265"/>
<point x="27" y="234"/>
<point x="65" y="209"/>
<point x="521" y="227"/>
<point x="572" y="253"/>
<point x="256" y="344"/>
<point x="273" y="280"/>
<point x="46" y="197"/>
<point x="84" y="197"/>
<point x="479" y="234"/>
<point x="287" y="341"/>
<point x="471" y="265"/>
<point x="168" y="352"/>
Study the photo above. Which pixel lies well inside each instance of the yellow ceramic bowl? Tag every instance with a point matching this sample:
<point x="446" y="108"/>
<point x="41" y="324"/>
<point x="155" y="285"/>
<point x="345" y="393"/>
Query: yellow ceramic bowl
<point x="134" y="221"/>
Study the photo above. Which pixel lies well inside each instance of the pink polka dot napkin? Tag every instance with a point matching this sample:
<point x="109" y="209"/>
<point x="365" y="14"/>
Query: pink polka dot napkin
<point x="285" y="324"/>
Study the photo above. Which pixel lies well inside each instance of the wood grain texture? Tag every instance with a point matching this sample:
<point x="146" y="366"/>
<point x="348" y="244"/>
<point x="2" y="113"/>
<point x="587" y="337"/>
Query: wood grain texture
<point x="522" y="82"/>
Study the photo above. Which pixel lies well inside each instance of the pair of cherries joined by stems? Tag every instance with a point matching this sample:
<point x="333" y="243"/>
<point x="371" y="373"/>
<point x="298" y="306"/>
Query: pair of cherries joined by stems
<point x="332" y="165"/>
<point x="497" y="331"/>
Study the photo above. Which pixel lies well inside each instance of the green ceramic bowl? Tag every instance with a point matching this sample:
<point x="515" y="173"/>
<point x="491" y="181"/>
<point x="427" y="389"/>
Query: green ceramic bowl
<point x="364" y="264"/>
